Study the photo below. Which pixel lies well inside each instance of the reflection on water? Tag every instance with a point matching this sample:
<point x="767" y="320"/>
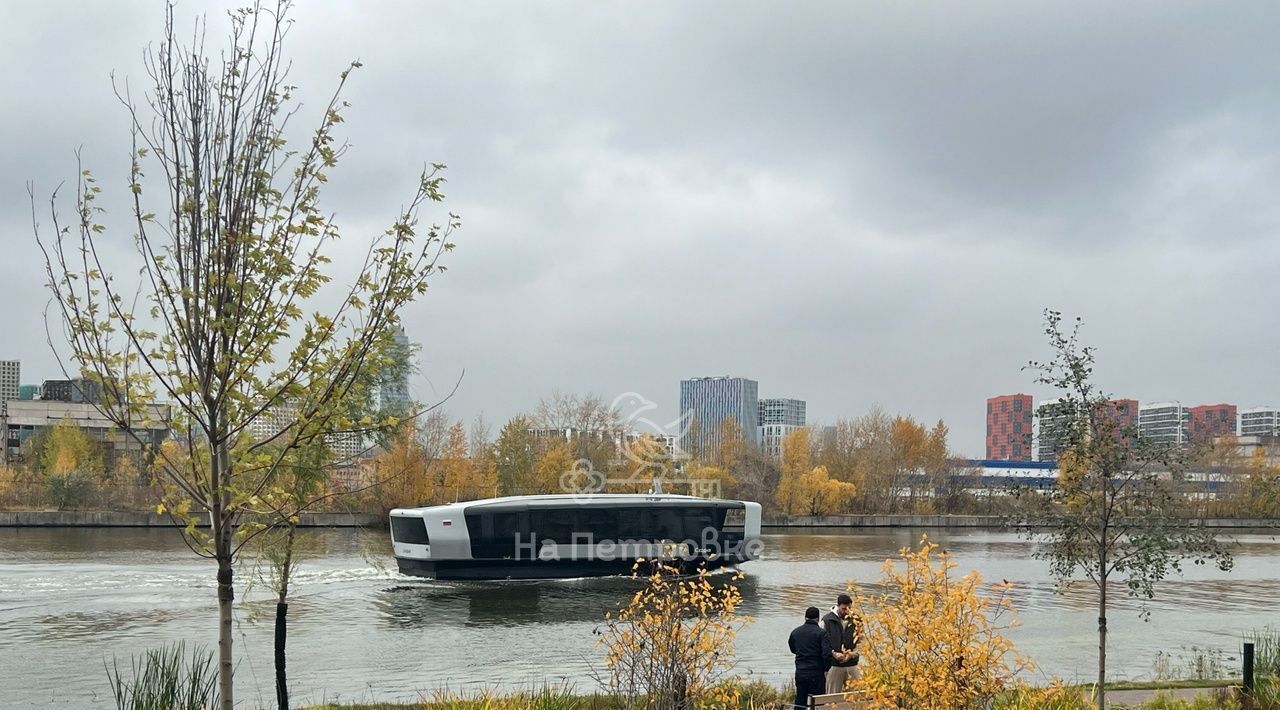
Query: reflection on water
<point x="70" y="599"/>
<point x="507" y="604"/>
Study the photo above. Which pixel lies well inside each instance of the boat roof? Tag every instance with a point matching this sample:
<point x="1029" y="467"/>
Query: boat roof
<point x="553" y="500"/>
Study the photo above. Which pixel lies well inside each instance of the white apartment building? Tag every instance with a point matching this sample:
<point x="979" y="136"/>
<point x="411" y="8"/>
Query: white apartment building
<point x="1163" y="423"/>
<point x="778" y="418"/>
<point x="1052" y="419"/>
<point x="1260" y="421"/>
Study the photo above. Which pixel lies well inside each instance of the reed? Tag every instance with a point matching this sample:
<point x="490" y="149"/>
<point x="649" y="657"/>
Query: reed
<point x="165" y="678"/>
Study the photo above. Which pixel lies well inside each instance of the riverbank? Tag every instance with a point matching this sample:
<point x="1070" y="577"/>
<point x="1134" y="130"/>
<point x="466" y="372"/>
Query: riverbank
<point x="128" y="519"/>
<point x="960" y="521"/>
<point x="1173" y="695"/>
<point x="135" y="519"/>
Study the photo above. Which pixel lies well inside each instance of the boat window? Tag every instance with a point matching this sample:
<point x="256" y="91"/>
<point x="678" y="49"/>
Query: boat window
<point x="664" y="524"/>
<point x="505" y="527"/>
<point x="630" y="524"/>
<point x="411" y="531"/>
<point x="601" y="523"/>
<point x="612" y="523"/>
<point x="556" y="525"/>
<point x="493" y="535"/>
<point x="696" y="522"/>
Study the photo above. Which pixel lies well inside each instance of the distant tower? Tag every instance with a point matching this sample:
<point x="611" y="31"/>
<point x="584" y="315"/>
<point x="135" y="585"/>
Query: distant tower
<point x="1009" y="419"/>
<point x="711" y="400"/>
<point x="1163" y="423"/>
<point x="1054" y="419"/>
<point x="1260" y="421"/>
<point x="1211" y="420"/>
<point x="10" y="372"/>
<point x="776" y="419"/>
<point x="394" y="390"/>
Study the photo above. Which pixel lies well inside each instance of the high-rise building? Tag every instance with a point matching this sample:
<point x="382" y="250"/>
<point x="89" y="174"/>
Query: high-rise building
<point x="1260" y="421"/>
<point x="1009" y="419"/>
<point x="28" y="392"/>
<point x="74" y="390"/>
<point x="346" y="447"/>
<point x="1163" y="423"/>
<point x="1209" y="420"/>
<point x="708" y="402"/>
<point x="393" y="394"/>
<point x="781" y="411"/>
<point x="777" y="419"/>
<point x="1124" y="412"/>
<point x="1053" y="419"/>
<point x="10" y="373"/>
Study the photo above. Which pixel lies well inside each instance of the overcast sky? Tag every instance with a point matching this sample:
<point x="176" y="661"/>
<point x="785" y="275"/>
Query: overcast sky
<point x="852" y="203"/>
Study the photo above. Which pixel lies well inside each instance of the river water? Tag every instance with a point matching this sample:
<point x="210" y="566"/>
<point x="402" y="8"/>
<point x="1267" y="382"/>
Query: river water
<point x="71" y="599"/>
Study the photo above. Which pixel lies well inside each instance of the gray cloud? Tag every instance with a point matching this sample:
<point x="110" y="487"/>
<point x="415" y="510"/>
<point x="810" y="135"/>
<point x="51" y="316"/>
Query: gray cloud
<point x="852" y="203"/>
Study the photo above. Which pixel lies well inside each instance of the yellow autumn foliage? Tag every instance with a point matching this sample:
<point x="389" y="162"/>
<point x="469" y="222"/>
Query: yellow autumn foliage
<point x="7" y="477"/>
<point x="707" y="480"/>
<point x="932" y="639"/>
<point x="69" y="450"/>
<point x="672" y="646"/>
<point x="814" y="492"/>
<point x="403" y="472"/>
<point x="464" y="477"/>
<point x="553" y="461"/>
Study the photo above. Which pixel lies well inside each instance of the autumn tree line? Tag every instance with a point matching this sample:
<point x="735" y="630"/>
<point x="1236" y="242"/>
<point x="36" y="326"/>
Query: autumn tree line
<point x="61" y="466"/>
<point x="877" y="463"/>
<point x="873" y="463"/>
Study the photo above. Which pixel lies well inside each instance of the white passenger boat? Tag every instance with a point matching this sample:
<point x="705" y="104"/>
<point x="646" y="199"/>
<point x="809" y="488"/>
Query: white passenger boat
<point x="565" y="536"/>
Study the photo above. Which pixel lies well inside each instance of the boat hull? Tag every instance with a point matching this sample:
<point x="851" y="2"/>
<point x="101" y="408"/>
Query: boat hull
<point x="487" y="570"/>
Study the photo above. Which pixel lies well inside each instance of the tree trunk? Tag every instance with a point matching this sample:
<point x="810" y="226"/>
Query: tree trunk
<point x="282" y="686"/>
<point x="222" y="528"/>
<point x="282" y="621"/>
<point x="1102" y="643"/>
<point x="226" y="594"/>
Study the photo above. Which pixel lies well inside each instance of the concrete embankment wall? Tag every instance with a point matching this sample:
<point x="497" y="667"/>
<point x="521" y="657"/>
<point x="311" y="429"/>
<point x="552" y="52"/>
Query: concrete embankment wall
<point x="120" y="519"/>
<point x="952" y="521"/>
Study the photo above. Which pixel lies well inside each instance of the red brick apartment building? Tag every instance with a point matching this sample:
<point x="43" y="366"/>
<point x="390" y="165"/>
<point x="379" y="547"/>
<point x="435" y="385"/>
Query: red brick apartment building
<point x="1124" y="412"/>
<point x="1124" y="415"/>
<point x="1209" y="420"/>
<point x="1009" y="427"/>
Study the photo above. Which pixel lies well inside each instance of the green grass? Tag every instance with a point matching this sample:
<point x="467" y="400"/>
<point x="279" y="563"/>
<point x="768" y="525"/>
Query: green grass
<point x="757" y="695"/>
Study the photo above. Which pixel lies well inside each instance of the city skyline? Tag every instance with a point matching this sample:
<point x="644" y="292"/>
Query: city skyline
<point x="595" y="211"/>
<point x="622" y="334"/>
<point x="1265" y="418"/>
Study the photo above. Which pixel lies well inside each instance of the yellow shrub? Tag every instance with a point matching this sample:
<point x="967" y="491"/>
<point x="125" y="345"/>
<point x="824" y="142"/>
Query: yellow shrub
<point x="673" y="644"/>
<point x="932" y="640"/>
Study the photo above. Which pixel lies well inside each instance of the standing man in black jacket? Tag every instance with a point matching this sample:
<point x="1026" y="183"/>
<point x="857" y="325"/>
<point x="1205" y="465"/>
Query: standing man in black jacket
<point x="842" y="632"/>
<point x="813" y="657"/>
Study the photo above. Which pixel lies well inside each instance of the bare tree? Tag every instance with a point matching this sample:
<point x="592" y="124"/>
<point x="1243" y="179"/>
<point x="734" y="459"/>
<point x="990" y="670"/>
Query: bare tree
<point x="591" y="423"/>
<point x="217" y="324"/>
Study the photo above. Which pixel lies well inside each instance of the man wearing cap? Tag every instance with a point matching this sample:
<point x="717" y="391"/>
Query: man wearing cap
<point x="812" y="648"/>
<point x="842" y="631"/>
